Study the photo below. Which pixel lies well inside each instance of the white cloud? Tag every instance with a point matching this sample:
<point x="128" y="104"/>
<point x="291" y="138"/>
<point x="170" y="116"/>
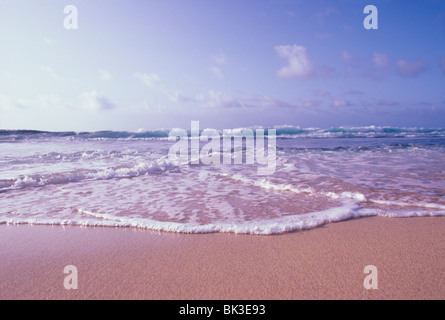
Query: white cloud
<point x="49" y="100"/>
<point x="211" y="99"/>
<point x="263" y="101"/>
<point x="96" y="101"/>
<point x="48" y="41"/>
<point x="219" y="59"/>
<point x="410" y="69"/>
<point x="215" y="99"/>
<point x="105" y="75"/>
<point x="151" y="80"/>
<point x="217" y="72"/>
<point x="299" y="65"/>
<point x="348" y="57"/>
<point x="339" y="103"/>
<point x="325" y="13"/>
<point x="51" y="72"/>
<point x="309" y="103"/>
<point x="380" y="60"/>
<point x="38" y="102"/>
<point x="381" y="67"/>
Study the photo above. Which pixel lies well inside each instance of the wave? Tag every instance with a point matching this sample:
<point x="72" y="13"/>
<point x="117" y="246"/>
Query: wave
<point x="349" y="210"/>
<point x="24" y="135"/>
<point x="155" y="166"/>
<point x="267" y="185"/>
<point x="281" y="131"/>
<point x="358" y="132"/>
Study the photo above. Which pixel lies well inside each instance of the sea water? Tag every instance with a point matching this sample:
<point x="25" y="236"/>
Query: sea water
<point x="126" y="179"/>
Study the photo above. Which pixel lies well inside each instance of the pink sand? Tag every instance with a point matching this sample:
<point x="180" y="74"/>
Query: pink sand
<point x="323" y="263"/>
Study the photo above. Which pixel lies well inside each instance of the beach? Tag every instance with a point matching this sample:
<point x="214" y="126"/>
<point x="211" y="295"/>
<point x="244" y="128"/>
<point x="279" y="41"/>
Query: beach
<point x="222" y="151"/>
<point x="326" y="262"/>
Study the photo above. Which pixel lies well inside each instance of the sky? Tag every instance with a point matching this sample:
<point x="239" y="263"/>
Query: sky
<point x="158" y="64"/>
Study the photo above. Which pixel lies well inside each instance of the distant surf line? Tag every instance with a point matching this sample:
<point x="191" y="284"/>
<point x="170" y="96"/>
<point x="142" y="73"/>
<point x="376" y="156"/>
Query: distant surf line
<point x="211" y="152"/>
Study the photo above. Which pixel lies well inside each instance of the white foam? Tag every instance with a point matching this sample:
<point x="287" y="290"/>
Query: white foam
<point x="406" y="204"/>
<point x="139" y="169"/>
<point x="267" y="185"/>
<point x="348" y="210"/>
<point x="220" y="198"/>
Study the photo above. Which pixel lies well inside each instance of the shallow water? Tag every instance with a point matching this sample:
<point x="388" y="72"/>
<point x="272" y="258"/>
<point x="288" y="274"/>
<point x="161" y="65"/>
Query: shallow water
<point x="127" y="179"/>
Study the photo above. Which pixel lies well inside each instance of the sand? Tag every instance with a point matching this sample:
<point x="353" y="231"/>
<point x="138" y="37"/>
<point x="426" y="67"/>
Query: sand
<point x="323" y="263"/>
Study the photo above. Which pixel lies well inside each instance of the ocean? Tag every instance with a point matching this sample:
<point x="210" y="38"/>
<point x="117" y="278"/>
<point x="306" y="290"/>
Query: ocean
<point x="126" y="179"/>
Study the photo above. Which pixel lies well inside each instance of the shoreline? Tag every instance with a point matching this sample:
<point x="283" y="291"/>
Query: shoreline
<point x="326" y="262"/>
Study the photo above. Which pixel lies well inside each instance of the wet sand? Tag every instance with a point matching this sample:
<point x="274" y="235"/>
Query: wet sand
<point x="324" y="263"/>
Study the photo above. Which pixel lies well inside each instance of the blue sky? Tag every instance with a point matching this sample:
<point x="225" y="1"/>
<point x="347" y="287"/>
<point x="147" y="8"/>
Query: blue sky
<point x="161" y="63"/>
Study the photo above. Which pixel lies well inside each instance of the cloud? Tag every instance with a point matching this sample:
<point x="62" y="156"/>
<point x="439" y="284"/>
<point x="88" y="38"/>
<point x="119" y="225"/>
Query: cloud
<point x="340" y="103"/>
<point x="325" y="13"/>
<point x="325" y="35"/>
<point x="49" y="100"/>
<point x="153" y="81"/>
<point x="299" y="65"/>
<point x="216" y="99"/>
<point x="209" y="99"/>
<point x="348" y="57"/>
<point x="51" y="72"/>
<point x="49" y="41"/>
<point x="322" y="93"/>
<point x="381" y="60"/>
<point x="40" y="101"/>
<point x="309" y="103"/>
<point x="217" y="72"/>
<point x="353" y="63"/>
<point x="105" y="75"/>
<point x="356" y="66"/>
<point x="410" y="69"/>
<point x="263" y="101"/>
<point x="96" y="101"/>
<point x="381" y="66"/>
<point x="220" y="59"/>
